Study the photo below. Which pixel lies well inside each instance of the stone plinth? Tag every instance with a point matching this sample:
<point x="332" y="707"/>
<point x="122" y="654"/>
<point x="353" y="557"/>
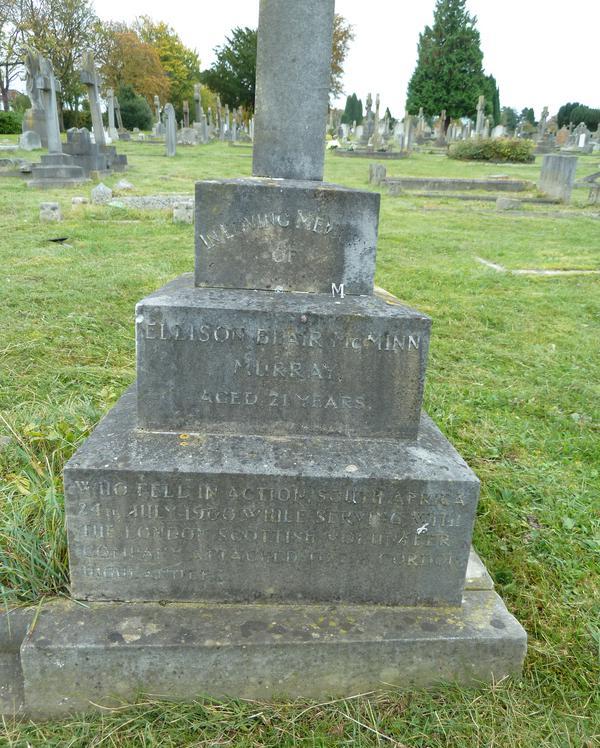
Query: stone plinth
<point x="56" y="170"/>
<point x="172" y="516"/>
<point x="277" y="234"/>
<point x="222" y="361"/>
<point x="109" y="653"/>
<point x="452" y="183"/>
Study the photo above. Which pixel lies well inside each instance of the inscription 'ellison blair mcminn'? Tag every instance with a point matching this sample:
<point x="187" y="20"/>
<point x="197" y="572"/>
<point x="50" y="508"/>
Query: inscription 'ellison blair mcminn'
<point x="302" y="220"/>
<point x="208" y="333"/>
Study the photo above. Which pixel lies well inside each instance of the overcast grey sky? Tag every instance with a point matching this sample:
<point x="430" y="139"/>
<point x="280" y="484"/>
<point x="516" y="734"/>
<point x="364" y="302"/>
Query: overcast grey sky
<point x="541" y="53"/>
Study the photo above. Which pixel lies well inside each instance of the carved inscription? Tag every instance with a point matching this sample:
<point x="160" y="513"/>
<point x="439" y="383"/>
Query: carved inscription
<point x="300" y="367"/>
<point x="301" y="220"/>
<point x="280" y="338"/>
<point x="179" y="529"/>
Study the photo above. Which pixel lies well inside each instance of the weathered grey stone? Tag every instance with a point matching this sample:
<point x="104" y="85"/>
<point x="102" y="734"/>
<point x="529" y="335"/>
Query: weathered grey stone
<point x="56" y="170"/>
<point x="478" y="577"/>
<point x="90" y="156"/>
<point x="594" y="194"/>
<point x="171" y="131"/>
<point x="14" y="625"/>
<point x="155" y="202"/>
<point x="110" y="653"/>
<point x="286" y="235"/>
<point x="453" y="183"/>
<point x="79" y="200"/>
<point x="377" y="173"/>
<point x="183" y="212"/>
<point x="279" y="363"/>
<point x="110" y="100"/>
<point x="135" y="626"/>
<point x="50" y="212"/>
<point x="557" y="176"/>
<point x="177" y="516"/>
<point x="34" y="119"/>
<point x="92" y="81"/>
<point x="289" y="140"/>
<point x="123" y="185"/>
<point x="508" y="203"/>
<point x="101" y="194"/>
<point x="30" y="141"/>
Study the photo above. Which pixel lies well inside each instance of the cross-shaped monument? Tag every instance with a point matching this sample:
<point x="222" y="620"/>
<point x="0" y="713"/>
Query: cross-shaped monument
<point x="50" y="87"/>
<point x="92" y="81"/>
<point x="480" y="123"/>
<point x="272" y="467"/>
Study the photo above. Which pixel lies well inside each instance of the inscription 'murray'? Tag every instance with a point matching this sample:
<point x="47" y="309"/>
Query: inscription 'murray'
<point x="302" y="220"/>
<point x="200" y="332"/>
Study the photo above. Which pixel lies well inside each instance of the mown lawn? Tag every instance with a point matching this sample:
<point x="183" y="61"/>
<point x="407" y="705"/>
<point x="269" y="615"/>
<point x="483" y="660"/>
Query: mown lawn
<point x="513" y="381"/>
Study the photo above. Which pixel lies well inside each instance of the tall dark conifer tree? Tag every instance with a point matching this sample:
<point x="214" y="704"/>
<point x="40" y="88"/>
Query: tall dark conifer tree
<point x="449" y="73"/>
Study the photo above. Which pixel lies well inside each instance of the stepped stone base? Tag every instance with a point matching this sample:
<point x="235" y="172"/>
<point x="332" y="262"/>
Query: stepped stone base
<point x="56" y="170"/>
<point x="66" y="658"/>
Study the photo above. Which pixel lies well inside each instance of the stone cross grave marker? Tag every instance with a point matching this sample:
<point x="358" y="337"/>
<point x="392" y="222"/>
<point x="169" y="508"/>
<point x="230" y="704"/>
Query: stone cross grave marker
<point x="112" y="130"/>
<point x="273" y="455"/>
<point x="171" y="130"/>
<point x="479" y="126"/>
<point x="197" y="103"/>
<point x="49" y="86"/>
<point x="92" y="81"/>
<point x="118" y="114"/>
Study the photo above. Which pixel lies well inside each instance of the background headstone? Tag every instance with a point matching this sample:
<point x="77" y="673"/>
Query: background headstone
<point x="171" y="130"/>
<point x="50" y="212"/>
<point x="558" y="175"/>
<point x="101" y="194"/>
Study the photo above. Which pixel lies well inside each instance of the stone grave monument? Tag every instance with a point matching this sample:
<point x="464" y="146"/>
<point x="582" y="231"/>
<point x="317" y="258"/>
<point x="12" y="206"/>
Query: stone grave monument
<point x="104" y="157"/>
<point x="480" y="121"/>
<point x="112" y="126"/>
<point x="124" y="133"/>
<point x="268" y="513"/>
<point x="557" y="176"/>
<point x="56" y="169"/>
<point x="34" y="119"/>
<point x="170" y="130"/>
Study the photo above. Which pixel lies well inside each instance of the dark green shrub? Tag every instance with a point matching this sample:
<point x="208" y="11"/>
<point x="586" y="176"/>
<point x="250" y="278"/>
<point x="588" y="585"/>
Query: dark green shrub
<point x="516" y="150"/>
<point x="10" y="123"/>
<point x="21" y="103"/>
<point x="135" y="110"/>
<point x="80" y="118"/>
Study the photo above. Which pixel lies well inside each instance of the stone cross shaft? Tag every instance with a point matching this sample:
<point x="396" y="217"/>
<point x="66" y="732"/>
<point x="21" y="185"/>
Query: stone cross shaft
<point x="49" y="86"/>
<point x="90" y="78"/>
<point x="293" y="67"/>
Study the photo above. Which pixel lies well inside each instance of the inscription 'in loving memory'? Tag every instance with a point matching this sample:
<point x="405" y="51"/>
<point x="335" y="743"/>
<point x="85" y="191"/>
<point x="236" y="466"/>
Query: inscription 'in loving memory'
<point x="302" y="220"/>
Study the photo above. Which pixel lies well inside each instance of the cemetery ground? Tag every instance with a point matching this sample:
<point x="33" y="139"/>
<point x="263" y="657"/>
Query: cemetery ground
<point x="513" y="382"/>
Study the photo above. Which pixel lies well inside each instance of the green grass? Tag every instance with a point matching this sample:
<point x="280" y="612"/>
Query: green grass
<point x="513" y="381"/>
